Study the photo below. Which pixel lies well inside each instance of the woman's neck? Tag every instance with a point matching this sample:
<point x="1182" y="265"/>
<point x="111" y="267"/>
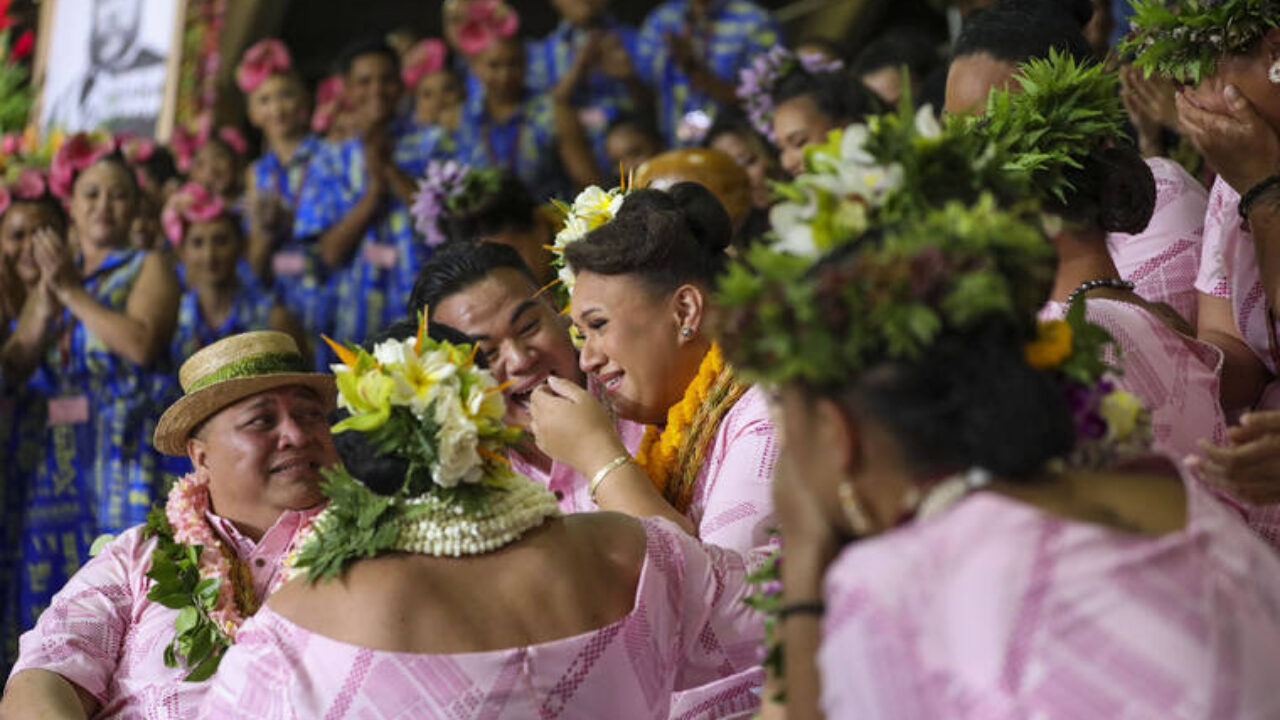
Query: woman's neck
<point x="215" y="301"/>
<point x="284" y="147"/>
<point x="501" y="109"/>
<point x="96" y="254"/>
<point x="1082" y="256"/>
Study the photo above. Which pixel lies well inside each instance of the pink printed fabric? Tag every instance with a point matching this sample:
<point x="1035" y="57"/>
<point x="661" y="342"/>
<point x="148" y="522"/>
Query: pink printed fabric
<point x="1163" y="260"/>
<point x="732" y="502"/>
<point x="688" y="627"/>
<point x="103" y="634"/>
<point x="1175" y="376"/>
<point x="997" y="611"/>
<point x="571" y="489"/>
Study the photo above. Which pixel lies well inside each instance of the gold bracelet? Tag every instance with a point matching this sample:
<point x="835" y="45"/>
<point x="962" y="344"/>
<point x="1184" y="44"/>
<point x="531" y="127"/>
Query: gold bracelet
<point x="603" y="472"/>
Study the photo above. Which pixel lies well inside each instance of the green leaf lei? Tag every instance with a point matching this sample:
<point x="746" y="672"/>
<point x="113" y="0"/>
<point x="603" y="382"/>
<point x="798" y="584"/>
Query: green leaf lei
<point x="199" y="643"/>
<point x="1184" y="39"/>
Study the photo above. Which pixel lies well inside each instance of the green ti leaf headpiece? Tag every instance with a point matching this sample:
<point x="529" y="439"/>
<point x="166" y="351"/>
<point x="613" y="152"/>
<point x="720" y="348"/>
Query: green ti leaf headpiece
<point x="1184" y="39"/>
<point x="1061" y="112"/>
<point x="948" y="270"/>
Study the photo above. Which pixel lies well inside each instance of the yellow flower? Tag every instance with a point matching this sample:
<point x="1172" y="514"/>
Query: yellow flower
<point x="1121" y="411"/>
<point x="1052" y="345"/>
<point x="367" y="397"/>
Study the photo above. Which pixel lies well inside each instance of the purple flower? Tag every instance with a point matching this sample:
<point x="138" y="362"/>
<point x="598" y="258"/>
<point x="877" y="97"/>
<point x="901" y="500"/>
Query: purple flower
<point x="443" y="181"/>
<point x="755" y="82"/>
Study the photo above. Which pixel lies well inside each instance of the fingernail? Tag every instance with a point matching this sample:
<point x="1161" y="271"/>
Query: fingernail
<point x="1231" y="93"/>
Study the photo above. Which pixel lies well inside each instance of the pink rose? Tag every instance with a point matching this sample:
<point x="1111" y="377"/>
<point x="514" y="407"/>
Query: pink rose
<point x="261" y="61"/>
<point x="423" y="59"/>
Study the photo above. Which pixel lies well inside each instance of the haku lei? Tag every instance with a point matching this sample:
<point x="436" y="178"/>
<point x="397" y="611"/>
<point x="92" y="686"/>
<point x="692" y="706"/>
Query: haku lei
<point x="674" y="455"/>
<point x="195" y="573"/>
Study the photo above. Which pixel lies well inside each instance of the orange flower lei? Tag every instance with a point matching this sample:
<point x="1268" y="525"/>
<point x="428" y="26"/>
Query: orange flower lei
<point x="677" y="452"/>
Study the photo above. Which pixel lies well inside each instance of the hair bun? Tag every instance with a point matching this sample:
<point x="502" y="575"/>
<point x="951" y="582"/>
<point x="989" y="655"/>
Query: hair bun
<point x="1127" y="189"/>
<point x="706" y="217"/>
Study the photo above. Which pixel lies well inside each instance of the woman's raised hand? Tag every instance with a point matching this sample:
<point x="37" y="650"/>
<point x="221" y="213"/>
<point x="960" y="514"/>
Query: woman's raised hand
<point x="572" y="427"/>
<point x="1233" y="138"/>
<point x="57" y="264"/>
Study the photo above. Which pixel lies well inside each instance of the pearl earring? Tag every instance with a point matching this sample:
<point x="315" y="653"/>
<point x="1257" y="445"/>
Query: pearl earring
<point x="854" y="514"/>
<point x="1273" y="74"/>
<point x="686" y="332"/>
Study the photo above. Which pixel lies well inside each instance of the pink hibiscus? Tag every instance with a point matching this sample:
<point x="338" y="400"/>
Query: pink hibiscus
<point x="30" y="184"/>
<point x="328" y="100"/>
<point x="77" y="153"/>
<point x="264" y="59"/>
<point x="423" y="59"/>
<point x="189" y="205"/>
<point x="487" y="20"/>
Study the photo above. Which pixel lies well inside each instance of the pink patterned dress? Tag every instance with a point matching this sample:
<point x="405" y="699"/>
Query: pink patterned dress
<point x="1162" y="261"/>
<point x="997" y="611"/>
<point x="571" y="489"/>
<point x="1229" y="269"/>
<point x="1175" y="376"/>
<point x="687" y="628"/>
<point x="103" y="634"/>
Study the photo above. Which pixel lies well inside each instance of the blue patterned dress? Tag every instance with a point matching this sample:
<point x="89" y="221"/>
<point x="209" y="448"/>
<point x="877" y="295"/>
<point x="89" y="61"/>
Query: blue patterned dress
<point x="525" y="144"/>
<point x="600" y="99"/>
<point x="250" y="310"/>
<point x="737" y="31"/>
<point x="97" y="476"/>
<point x="372" y="290"/>
<point x="300" y="281"/>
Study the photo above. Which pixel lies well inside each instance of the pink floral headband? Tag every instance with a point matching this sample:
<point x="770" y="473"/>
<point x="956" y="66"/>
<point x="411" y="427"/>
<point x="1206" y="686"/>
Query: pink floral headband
<point x="328" y="102"/>
<point x="79" y="152"/>
<point x="185" y="144"/>
<point x="487" y="21"/>
<point x="425" y="58"/>
<point x="189" y="205"/>
<point x="262" y="60"/>
<point x="30" y="185"/>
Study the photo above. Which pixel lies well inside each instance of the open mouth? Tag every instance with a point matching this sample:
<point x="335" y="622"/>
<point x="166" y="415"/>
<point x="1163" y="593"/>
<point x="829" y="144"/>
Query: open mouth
<point x="611" y="382"/>
<point x="297" y="465"/>
<point x="521" y="394"/>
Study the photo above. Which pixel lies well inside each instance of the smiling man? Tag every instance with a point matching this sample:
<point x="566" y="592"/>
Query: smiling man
<point x="255" y="425"/>
<point x="486" y="291"/>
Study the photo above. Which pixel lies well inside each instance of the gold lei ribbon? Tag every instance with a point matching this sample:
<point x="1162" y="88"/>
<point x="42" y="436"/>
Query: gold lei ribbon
<point x="673" y="456"/>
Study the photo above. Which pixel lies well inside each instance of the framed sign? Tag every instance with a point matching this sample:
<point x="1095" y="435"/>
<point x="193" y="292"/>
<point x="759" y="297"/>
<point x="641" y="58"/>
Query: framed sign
<point x="110" y="64"/>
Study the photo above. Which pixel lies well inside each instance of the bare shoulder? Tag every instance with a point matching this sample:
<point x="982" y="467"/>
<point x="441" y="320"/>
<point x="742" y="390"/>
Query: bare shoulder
<point x="619" y="538"/>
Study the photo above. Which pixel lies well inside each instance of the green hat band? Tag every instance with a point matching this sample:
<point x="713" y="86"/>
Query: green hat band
<point x="253" y="366"/>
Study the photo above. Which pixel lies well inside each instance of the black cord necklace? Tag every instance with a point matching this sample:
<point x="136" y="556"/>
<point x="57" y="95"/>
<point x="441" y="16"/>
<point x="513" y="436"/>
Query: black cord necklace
<point x="1113" y="283"/>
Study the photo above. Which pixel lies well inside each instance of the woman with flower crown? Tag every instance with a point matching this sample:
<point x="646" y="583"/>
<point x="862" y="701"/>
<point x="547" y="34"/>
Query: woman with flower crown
<point x="439" y="583"/>
<point x="91" y="347"/>
<point x="641" y="301"/>
<point x="988" y="578"/>
<point x="276" y="104"/>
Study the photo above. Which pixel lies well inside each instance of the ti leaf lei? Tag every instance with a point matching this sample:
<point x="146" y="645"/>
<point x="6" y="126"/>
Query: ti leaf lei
<point x="199" y="643"/>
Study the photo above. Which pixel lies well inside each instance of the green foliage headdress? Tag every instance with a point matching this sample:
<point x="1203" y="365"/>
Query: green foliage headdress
<point x="1183" y="39"/>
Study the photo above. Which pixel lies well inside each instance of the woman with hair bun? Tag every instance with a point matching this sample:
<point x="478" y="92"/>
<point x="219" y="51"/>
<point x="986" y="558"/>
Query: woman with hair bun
<point x="641" y="299"/>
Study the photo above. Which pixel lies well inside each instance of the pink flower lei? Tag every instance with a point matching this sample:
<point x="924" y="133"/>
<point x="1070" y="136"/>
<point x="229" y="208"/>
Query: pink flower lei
<point x="186" y="510"/>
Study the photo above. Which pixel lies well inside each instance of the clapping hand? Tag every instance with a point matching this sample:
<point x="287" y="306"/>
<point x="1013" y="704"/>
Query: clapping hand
<point x="57" y="265"/>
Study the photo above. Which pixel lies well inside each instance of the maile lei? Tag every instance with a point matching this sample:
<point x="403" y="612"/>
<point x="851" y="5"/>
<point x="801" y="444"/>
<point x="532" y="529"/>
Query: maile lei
<point x="194" y="572"/>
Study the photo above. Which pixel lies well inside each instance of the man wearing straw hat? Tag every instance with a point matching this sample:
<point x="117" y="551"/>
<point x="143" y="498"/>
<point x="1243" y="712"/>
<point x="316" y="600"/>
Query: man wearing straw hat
<point x="134" y="630"/>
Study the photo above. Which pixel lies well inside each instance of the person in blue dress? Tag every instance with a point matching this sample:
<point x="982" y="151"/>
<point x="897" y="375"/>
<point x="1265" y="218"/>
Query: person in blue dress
<point x="353" y="206"/>
<point x="87" y="346"/>
<point x="535" y="136"/>
<point x="592" y="45"/>
<point x="209" y="244"/>
<point x="276" y="106"/>
<point x="25" y="211"/>
<point x="690" y="51"/>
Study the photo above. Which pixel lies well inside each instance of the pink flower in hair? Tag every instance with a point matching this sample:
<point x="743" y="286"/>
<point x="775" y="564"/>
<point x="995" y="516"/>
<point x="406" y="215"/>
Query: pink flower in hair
<point x="11" y="144"/>
<point x="233" y="138"/>
<point x="30" y="185"/>
<point x="423" y="59"/>
<point x="487" y="21"/>
<point x="184" y="144"/>
<point x="189" y="205"/>
<point x="77" y="153"/>
<point x="264" y="59"/>
<point x="328" y="99"/>
<point x="135" y="149"/>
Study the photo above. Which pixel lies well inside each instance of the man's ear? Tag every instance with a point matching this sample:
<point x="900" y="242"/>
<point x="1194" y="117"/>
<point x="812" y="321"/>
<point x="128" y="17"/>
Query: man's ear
<point x="198" y="453"/>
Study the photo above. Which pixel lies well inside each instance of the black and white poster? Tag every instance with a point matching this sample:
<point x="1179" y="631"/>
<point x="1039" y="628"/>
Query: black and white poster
<point x="106" y="64"/>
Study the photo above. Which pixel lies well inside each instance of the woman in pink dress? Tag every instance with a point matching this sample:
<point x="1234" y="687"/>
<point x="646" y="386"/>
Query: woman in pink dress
<point x="983" y="583"/>
<point x="465" y="594"/>
<point x="641" y="300"/>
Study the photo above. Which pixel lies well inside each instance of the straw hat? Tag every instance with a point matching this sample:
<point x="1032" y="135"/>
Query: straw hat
<point x="229" y="371"/>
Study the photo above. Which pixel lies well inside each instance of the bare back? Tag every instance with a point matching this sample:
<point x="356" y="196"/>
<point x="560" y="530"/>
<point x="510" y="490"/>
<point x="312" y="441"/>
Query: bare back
<point x="570" y="576"/>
